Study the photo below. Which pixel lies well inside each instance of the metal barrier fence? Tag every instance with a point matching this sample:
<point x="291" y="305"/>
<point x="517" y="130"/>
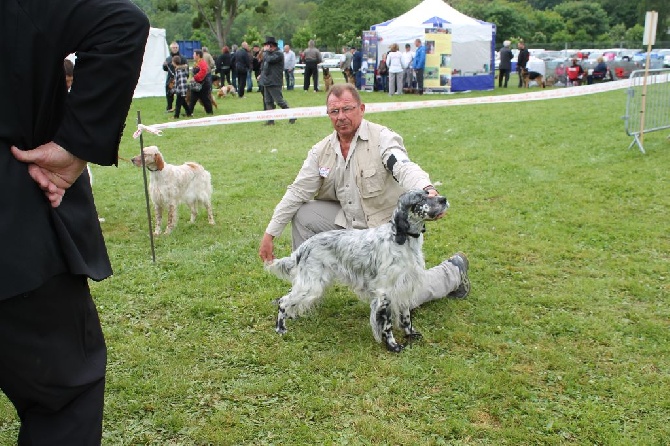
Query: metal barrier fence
<point x="648" y="104"/>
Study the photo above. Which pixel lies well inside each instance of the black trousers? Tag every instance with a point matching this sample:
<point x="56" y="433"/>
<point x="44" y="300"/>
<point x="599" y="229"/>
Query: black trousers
<point x="204" y="95"/>
<point x="311" y="72"/>
<point x="241" y="83"/>
<point x="419" y="80"/>
<point x="503" y="75"/>
<point x="52" y="363"/>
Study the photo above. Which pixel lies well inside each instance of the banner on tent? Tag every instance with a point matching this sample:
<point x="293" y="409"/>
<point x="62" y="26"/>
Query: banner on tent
<point x="437" y="72"/>
<point x="369" y="50"/>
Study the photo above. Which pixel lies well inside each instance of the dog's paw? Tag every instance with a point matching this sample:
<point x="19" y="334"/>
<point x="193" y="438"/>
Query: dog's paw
<point x="281" y="330"/>
<point x="395" y="347"/>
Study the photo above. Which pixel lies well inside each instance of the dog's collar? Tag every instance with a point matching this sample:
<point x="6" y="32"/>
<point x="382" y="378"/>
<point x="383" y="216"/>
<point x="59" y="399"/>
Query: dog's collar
<point x="151" y="170"/>
<point x="413" y="235"/>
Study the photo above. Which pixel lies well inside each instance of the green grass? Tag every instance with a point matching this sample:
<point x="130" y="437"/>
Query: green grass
<point x="564" y="339"/>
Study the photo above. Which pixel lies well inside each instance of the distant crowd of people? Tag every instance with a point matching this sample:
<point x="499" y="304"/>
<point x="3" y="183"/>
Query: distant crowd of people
<point x="239" y="66"/>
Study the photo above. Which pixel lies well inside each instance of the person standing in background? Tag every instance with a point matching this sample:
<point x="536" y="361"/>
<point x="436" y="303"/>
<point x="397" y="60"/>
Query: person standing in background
<point x="169" y="77"/>
<point x="312" y="60"/>
<point x="233" y="68"/>
<point x="408" y="73"/>
<point x="356" y="66"/>
<point x="345" y="64"/>
<point x="522" y="61"/>
<point x="52" y="349"/>
<point x="255" y="72"/>
<point x="289" y="67"/>
<point x="209" y="59"/>
<point x="505" y="64"/>
<point x="394" y="62"/>
<point x="202" y="76"/>
<point x="242" y="67"/>
<point x="223" y="63"/>
<point x="271" y="77"/>
<point x="419" y="64"/>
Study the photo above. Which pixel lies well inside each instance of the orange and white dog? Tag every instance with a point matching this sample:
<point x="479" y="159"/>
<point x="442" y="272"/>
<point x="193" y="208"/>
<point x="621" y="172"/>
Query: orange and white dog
<point x="170" y="186"/>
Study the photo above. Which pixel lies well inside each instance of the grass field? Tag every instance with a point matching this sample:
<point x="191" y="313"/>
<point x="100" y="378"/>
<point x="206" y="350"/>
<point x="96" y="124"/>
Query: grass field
<point x="564" y="339"/>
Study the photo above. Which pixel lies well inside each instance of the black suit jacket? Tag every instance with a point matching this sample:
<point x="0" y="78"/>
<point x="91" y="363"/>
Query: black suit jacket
<point x="108" y="37"/>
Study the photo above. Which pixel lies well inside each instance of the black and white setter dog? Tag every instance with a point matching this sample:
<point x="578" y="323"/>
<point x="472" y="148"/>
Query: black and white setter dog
<point x="383" y="266"/>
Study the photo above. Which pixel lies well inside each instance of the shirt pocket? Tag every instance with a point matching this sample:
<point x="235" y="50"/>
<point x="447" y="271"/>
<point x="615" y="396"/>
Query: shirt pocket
<point x="372" y="182"/>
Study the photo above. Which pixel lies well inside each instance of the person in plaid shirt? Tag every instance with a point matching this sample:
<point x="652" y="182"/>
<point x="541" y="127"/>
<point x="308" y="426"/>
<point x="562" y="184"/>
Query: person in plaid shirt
<point x="180" y="86"/>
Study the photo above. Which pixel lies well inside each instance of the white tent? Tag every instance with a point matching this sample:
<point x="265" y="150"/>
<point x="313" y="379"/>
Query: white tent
<point x="152" y="76"/>
<point x="473" y="41"/>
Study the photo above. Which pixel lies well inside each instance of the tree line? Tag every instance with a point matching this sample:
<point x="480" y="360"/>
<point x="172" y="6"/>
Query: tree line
<point x="333" y="24"/>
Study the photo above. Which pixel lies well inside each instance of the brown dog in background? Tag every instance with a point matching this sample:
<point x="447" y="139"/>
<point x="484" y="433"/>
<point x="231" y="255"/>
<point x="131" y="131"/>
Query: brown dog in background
<point x="528" y="76"/>
<point x="327" y="78"/>
<point x="349" y="76"/>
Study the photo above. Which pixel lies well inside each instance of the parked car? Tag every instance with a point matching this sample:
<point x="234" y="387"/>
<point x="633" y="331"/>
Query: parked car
<point x="330" y="60"/>
<point x="665" y="55"/>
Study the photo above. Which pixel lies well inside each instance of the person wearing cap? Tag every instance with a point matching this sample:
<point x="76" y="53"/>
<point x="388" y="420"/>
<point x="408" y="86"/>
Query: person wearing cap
<point x="505" y="64"/>
<point x="522" y="60"/>
<point x="272" y="77"/>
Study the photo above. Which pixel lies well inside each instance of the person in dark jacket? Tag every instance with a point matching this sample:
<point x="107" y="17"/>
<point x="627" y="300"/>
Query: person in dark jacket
<point x="169" y="77"/>
<point x="271" y="78"/>
<point x="505" y="67"/>
<point x="223" y="63"/>
<point x="256" y="56"/>
<point x="242" y="67"/>
<point x="312" y="57"/>
<point x="356" y="65"/>
<point x="52" y="349"/>
<point x="522" y="61"/>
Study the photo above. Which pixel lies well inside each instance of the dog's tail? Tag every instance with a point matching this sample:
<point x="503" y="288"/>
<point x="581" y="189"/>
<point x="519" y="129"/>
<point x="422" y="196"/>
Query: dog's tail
<point x="282" y="268"/>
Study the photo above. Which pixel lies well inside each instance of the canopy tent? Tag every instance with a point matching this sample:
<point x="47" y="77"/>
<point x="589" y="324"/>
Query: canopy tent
<point x="473" y="41"/>
<point x="152" y="76"/>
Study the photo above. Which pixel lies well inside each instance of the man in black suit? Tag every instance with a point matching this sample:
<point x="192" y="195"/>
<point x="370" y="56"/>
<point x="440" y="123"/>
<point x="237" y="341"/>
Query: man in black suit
<point x="52" y="350"/>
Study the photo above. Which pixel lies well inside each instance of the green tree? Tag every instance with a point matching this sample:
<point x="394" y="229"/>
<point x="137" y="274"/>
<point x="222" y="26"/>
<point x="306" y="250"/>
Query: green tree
<point x="301" y="38"/>
<point x="333" y="18"/>
<point x="584" y="19"/>
<point x="635" y="34"/>
<point x="253" y="36"/>
<point x="511" y="19"/>
<point x="219" y="15"/>
<point x="617" y="33"/>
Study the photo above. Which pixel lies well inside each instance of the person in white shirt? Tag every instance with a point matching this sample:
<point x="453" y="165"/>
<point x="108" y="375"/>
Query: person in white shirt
<point x="289" y="67"/>
<point x="394" y="63"/>
<point x="406" y="61"/>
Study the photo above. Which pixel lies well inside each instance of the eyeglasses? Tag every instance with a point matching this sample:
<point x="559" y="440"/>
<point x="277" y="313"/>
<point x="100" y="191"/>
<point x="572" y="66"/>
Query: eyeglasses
<point x="336" y="111"/>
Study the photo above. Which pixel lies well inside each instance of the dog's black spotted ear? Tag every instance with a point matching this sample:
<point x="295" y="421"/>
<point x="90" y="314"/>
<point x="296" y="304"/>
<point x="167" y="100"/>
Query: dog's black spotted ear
<point x="401" y="223"/>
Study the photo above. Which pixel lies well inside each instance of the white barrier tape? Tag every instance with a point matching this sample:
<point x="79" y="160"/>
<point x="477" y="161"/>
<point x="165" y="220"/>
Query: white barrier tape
<point x="313" y="112"/>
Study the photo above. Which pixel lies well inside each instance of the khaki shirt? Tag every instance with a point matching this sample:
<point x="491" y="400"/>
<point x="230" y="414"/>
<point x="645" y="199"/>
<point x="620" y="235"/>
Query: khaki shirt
<point x="362" y="184"/>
